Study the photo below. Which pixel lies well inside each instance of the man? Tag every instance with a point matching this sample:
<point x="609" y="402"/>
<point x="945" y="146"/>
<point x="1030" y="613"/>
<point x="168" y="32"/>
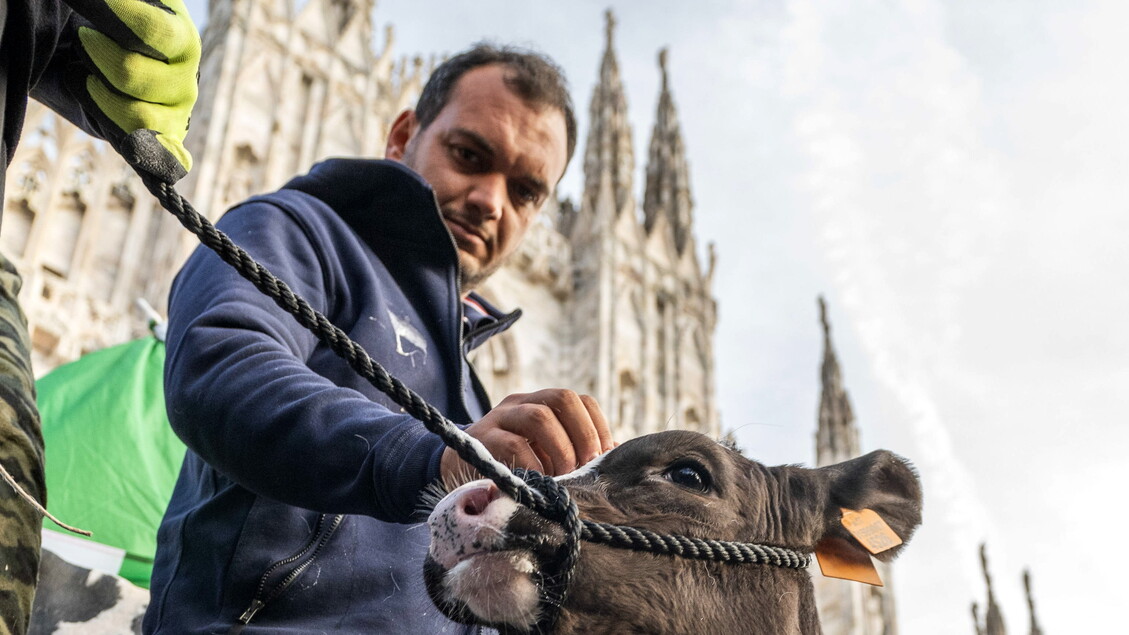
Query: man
<point x="283" y="519"/>
<point x="126" y="72"/>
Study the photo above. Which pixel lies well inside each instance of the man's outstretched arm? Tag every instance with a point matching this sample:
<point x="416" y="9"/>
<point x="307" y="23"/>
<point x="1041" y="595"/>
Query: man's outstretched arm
<point x="126" y="71"/>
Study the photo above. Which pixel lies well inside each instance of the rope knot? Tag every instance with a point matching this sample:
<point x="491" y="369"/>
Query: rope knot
<point x="556" y="505"/>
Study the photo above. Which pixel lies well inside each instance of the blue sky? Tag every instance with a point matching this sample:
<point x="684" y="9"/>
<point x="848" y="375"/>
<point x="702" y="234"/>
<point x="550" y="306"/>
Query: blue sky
<point x="951" y="176"/>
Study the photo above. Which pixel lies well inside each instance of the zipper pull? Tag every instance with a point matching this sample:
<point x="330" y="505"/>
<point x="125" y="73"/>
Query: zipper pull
<point x="256" y="604"/>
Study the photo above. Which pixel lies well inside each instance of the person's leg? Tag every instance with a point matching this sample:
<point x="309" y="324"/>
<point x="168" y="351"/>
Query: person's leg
<point x="21" y="454"/>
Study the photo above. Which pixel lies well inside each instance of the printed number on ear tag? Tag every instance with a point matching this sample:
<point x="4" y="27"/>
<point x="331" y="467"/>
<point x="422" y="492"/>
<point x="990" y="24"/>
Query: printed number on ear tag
<point x="870" y="530"/>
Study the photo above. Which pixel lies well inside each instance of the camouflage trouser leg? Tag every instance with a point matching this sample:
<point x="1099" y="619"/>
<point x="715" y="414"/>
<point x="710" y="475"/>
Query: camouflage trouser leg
<point x="21" y="452"/>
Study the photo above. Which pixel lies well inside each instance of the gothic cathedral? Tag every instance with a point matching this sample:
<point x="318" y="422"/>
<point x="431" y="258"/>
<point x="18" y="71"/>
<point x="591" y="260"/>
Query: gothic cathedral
<point x="617" y="301"/>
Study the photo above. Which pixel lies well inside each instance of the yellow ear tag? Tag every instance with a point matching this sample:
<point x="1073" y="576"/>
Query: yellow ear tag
<point x="870" y="530"/>
<point x="840" y="558"/>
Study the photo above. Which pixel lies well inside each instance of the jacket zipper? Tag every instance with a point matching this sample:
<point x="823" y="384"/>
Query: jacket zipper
<point x="309" y="551"/>
<point x="499" y="324"/>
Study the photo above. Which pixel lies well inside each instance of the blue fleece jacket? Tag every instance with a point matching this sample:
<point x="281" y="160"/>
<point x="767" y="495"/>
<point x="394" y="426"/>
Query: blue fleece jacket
<point x="285" y="517"/>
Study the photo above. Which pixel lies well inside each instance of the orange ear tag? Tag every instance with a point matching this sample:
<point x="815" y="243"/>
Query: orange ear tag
<point x="839" y="558"/>
<point x="870" y="530"/>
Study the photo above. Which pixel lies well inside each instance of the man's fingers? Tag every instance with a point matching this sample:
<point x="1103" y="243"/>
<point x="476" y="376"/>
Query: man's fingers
<point x="159" y="29"/>
<point x="586" y="433"/>
<point x="511" y="449"/>
<point x="175" y="147"/>
<point x="539" y="424"/>
<point x="598" y="420"/>
<point x="161" y="24"/>
<point x="131" y="114"/>
<point x="515" y="451"/>
<point x="519" y="452"/>
<point x="546" y="460"/>
<point x="563" y="429"/>
<point x="575" y="416"/>
<point x="141" y="59"/>
<point x="138" y="75"/>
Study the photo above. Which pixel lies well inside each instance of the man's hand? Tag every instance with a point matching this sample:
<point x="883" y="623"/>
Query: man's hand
<point x="139" y="85"/>
<point x="552" y="431"/>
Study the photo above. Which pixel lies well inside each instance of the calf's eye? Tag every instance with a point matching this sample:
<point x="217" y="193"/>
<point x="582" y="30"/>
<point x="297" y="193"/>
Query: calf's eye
<point x="691" y="475"/>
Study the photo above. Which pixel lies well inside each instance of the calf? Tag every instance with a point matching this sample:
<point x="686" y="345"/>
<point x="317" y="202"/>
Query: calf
<point x="481" y="568"/>
<point x="74" y="599"/>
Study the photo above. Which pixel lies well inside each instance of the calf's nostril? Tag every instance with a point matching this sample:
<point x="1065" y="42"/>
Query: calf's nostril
<point x="470" y="507"/>
<point x="475" y="501"/>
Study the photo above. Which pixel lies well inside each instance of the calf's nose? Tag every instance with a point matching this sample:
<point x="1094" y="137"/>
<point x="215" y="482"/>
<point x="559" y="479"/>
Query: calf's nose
<point x="475" y="501"/>
<point x="468" y="521"/>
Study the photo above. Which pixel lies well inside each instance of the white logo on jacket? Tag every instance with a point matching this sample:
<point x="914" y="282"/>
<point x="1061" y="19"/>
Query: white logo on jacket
<point x="409" y="341"/>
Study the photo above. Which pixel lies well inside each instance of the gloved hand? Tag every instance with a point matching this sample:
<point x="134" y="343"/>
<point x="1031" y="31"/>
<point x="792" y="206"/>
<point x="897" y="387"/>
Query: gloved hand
<point x="142" y="59"/>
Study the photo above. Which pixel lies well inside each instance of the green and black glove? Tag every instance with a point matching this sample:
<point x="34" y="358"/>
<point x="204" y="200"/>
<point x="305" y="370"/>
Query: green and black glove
<point x="138" y="83"/>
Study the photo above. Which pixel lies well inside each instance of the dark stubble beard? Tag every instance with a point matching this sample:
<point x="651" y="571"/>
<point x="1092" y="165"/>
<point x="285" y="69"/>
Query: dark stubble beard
<point x="470" y="274"/>
<point x="471" y="277"/>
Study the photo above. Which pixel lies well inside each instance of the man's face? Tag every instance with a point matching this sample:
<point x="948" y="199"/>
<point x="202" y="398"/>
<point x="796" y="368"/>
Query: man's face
<point x="492" y="159"/>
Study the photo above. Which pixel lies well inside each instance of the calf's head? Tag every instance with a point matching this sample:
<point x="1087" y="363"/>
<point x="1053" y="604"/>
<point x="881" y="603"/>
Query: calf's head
<point x="486" y="550"/>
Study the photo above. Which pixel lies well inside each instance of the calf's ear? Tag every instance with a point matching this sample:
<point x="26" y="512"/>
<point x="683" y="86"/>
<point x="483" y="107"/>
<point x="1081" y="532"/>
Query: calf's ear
<point x="880" y="481"/>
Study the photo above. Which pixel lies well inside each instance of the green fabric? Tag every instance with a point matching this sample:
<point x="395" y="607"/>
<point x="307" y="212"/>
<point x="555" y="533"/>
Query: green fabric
<point x="112" y="458"/>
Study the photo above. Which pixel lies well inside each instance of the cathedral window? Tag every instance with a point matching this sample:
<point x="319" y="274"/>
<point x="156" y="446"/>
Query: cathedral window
<point x="44" y="340"/>
<point x="61" y="235"/>
<point x="113" y="227"/>
<point x="18" y="219"/>
<point x="78" y="175"/>
<point x="691" y="420"/>
<point x="628" y="406"/>
<point x="245" y="175"/>
<point x="661" y="345"/>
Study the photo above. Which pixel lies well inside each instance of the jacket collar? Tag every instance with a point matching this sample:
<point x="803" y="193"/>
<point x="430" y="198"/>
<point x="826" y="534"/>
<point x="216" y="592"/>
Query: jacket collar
<point x="384" y="201"/>
<point x="389" y="205"/>
<point x="482" y="320"/>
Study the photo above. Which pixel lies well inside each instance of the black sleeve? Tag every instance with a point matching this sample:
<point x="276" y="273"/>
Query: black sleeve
<point x="31" y="33"/>
<point x="64" y="72"/>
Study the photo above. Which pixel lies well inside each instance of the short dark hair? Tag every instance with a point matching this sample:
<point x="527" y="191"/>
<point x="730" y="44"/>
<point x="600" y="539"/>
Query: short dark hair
<point x="533" y="77"/>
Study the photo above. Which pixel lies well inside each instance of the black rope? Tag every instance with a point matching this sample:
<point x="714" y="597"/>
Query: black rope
<point x="543" y="494"/>
<point x="694" y="548"/>
<point x="557" y="573"/>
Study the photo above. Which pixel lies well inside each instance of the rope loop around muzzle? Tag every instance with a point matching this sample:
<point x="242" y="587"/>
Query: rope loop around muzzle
<point x="694" y="548"/>
<point x="555" y="580"/>
<point x="540" y="493"/>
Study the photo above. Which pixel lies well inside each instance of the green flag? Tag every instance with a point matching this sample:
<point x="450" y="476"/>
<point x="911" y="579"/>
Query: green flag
<point x="112" y="459"/>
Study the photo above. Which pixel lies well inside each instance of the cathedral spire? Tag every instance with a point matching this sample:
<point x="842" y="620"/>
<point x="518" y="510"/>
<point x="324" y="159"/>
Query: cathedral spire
<point x="609" y="159"/>
<point x="993" y="618"/>
<point x="341" y="13"/>
<point x="1035" y="630"/>
<point x="668" y="175"/>
<point x="837" y="438"/>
